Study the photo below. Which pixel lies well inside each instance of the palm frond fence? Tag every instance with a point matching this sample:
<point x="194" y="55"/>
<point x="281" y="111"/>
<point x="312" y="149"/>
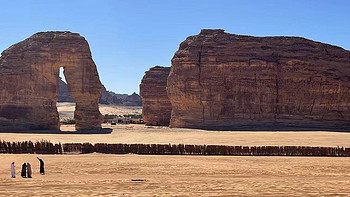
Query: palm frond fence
<point x="47" y="147"/>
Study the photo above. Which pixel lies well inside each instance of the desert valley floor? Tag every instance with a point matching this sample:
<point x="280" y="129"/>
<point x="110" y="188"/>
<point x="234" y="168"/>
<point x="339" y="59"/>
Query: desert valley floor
<point x="115" y="175"/>
<point x="149" y="175"/>
<point x="137" y="133"/>
<point x="103" y="174"/>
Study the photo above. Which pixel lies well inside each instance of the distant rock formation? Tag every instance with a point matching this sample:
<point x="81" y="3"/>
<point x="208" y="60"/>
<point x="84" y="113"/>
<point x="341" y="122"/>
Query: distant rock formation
<point x="29" y="79"/>
<point x="232" y="81"/>
<point x="133" y="100"/>
<point x="107" y="97"/>
<point x="156" y="107"/>
<point x="63" y="94"/>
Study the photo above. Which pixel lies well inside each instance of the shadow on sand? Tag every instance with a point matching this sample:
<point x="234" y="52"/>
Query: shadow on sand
<point x="278" y="127"/>
<point x="274" y="129"/>
<point x="94" y="131"/>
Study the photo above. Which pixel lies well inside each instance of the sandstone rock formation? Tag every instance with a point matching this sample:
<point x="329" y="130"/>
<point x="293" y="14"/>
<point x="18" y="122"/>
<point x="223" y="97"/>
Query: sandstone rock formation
<point x="156" y="107"/>
<point x="29" y="77"/>
<point x="233" y="81"/>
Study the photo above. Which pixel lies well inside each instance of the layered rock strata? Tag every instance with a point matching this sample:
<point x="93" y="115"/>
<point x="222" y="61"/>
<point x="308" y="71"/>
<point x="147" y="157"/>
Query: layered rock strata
<point x="29" y="77"/>
<point x="156" y="107"/>
<point x="232" y="81"/>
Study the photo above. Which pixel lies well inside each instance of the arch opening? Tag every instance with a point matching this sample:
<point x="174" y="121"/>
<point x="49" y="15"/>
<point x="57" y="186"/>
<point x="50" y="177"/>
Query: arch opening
<point x="65" y="103"/>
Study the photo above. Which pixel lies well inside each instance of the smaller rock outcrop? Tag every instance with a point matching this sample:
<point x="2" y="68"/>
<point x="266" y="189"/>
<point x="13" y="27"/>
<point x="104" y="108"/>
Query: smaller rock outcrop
<point x="156" y="108"/>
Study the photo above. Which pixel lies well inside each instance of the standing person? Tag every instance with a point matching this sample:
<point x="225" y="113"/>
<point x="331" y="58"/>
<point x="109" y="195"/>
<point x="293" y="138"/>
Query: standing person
<point x="29" y="171"/>
<point x="42" y="170"/>
<point x="13" y="170"/>
<point x="24" y="170"/>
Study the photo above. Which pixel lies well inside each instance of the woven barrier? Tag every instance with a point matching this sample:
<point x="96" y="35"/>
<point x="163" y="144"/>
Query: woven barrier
<point x="46" y="147"/>
<point x="39" y="147"/>
<point x="181" y="149"/>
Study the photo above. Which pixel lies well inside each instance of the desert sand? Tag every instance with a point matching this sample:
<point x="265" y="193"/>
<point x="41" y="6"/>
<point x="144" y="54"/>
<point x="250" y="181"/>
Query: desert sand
<point x="164" y="175"/>
<point x="66" y="110"/>
<point x="134" y="133"/>
<point x="112" y="175"/>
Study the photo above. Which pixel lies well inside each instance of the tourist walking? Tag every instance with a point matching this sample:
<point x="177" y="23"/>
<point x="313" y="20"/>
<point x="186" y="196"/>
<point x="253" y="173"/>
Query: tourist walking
<point x="42" y="170"/>
<point x="13" y="170"/>
<point x="24" y="170"/>
<point x="29" y="171"/>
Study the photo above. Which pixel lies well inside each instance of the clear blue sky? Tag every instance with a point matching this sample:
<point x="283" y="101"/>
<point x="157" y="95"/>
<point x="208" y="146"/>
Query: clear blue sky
<point x="127" y="37"/>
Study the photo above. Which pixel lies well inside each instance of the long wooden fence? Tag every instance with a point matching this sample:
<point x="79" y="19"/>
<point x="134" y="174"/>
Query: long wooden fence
<point x="39" y="147"/>
<point x="46" y="147"/>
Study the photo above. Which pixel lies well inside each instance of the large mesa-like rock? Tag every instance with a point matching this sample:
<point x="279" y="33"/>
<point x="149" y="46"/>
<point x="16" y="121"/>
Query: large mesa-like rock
<point x="233" y="81"/>
<point x="156" y="107"/>
<point x="29" y="77"/>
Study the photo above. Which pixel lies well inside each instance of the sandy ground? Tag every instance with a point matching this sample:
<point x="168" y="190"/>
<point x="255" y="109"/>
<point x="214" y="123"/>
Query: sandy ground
<point x="134" y="133"/>
<point x="111" y="175"/>
<point x="66" y="110"/>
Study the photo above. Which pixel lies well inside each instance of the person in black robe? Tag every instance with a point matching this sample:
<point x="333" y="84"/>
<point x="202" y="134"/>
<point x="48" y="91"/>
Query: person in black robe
<point x="24" y="170"/>
<point x="29" y="171"/>
<point x="42" y="170"/>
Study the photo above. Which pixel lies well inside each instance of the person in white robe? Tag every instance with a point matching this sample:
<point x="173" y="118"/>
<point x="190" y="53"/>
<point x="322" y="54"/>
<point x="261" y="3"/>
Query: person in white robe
<point x="13" y="170"/>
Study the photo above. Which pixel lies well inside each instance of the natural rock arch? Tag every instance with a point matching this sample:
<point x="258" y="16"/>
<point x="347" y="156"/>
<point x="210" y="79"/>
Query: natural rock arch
<point x="29" y="76"/>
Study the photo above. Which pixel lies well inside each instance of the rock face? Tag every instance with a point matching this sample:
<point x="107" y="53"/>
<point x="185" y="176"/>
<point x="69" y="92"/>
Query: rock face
<point x="29" y="77"/>
<point x="156" y="107"/>
<point x="232" y="81"/>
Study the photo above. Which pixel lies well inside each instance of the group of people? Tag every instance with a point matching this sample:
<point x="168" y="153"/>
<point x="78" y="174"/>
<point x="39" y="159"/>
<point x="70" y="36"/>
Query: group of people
<point x="27" y="169"/>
